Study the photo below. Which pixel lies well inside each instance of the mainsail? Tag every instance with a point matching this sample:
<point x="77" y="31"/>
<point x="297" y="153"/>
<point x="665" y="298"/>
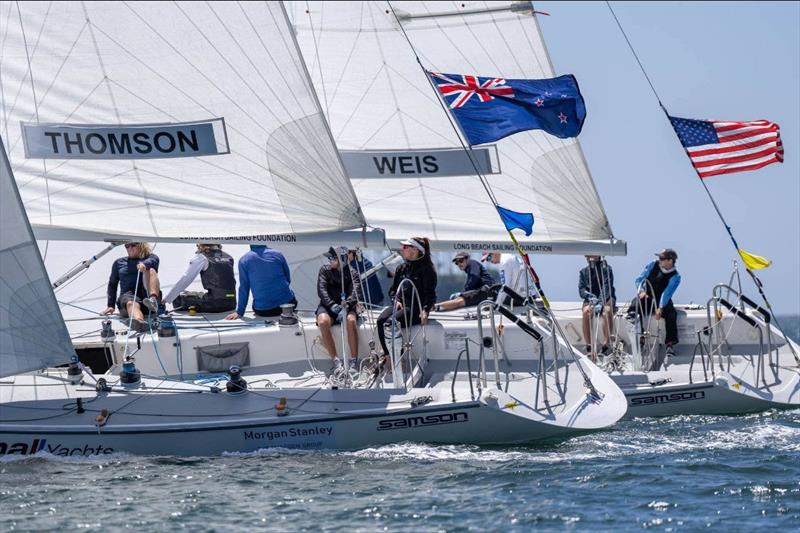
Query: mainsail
<point x="32" y="332"/>
<point x="119" y="65"/>
<point x="377" y="99"/>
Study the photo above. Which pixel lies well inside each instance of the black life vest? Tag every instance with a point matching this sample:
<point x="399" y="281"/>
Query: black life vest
<point x="659" y="280"/>
<point x="218" y="276"/>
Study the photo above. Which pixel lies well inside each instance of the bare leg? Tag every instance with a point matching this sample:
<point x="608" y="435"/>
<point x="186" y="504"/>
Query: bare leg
<point x="135" y="311"/>
<point x="449" y="305"/>
<point x="587" y="319"/>
<point x="324" y="323"/>
<point x="352" y="334"/>
<point x="153" y="283"/>
<point x="608" y="313"/>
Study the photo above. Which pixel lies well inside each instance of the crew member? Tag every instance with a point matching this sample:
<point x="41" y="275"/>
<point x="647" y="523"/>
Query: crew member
<point x="331" y="294"/>
<point x="478" y="286"/>
<point x="137" y="278"/>
<point x="596" y="288"/>
<point x="657" y="283"/>
<point x="265" y="272"/>
<point x="417" y="267"/>
<point x="216" y="273"/>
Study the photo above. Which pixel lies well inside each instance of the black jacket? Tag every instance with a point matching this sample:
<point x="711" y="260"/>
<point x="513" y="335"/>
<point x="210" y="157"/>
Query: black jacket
<point x="477" y="276"/>
<point x="596" y="280"/>
<point x="423" y="275"/>
<point x="329" y="286"/>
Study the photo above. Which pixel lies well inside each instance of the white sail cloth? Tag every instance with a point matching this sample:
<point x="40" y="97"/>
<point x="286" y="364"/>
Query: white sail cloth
<point x="377" y="98"/>
<point x="32" y="332"/>
<point x="117" y="63"/>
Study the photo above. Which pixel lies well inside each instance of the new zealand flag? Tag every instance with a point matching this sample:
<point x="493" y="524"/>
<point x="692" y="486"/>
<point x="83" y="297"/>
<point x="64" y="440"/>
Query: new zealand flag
<point x="489" y="109"/>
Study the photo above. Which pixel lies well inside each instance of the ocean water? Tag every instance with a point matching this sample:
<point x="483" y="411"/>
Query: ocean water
<point x="685" y="473"/>
<point x="681" y="473"/>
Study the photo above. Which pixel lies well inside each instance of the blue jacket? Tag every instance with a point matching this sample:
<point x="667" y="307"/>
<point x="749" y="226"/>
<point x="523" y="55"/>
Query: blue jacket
<point x="477" y="276"/>
<point x="672" y="284"/>
<point x="265" y="272"/>
<point x="373" y="285"/>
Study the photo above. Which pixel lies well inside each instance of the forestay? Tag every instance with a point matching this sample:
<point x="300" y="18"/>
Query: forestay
<point x="234" y="68"/>
<point x="377" y="98"/>
<point x="32" y="332"/>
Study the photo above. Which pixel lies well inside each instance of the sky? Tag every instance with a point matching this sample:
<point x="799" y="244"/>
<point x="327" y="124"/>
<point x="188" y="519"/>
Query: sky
<point x="721" y="60"/>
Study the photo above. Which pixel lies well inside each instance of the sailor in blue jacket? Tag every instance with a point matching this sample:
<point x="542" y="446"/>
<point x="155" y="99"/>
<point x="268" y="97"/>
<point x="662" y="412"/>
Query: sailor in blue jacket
<point x="658" y="281"/>
<point x="264" y="272"/>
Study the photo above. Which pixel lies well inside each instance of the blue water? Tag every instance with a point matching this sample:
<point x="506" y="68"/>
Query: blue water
<point x="680" y="473"/>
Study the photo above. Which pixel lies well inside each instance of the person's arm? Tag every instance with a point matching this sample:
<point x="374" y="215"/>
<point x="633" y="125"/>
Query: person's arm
<point x="151" y="261"/>
<point x="198" y="263"/>
<point x="473" y="272"/>
<point x="613" y="291"/>
<point x="429" y="296"/>
<point x="396" y="279"/>
<point x="356" y="289"/>
<point x="286" y="271"/>
<point x="244" y="288"/>
<point x="643" y="276"/>
<point x="111" y="291"/>
<point x="322" y="289"/>
<point x="583" y="285"/>
<point x="666" y="296"/>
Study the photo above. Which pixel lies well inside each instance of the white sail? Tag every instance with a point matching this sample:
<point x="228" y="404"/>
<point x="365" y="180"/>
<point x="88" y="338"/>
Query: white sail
<point x="377" y="98"/>
<point x="122" y="64"/>
<point x="32" y="332"/>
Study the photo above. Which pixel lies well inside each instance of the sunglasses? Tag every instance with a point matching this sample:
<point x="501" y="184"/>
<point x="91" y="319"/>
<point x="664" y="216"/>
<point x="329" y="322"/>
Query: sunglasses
<point x="459" y="261"/>
<point x="131" y="245"/>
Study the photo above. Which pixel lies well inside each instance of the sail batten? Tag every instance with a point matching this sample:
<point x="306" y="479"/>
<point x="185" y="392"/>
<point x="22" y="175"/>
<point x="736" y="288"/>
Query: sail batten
<point x="274" y="168"/>
<point x="378" y="98"/>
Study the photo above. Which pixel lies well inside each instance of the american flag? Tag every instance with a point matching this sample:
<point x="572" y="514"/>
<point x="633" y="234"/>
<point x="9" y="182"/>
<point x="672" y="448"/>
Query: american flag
<point x="724" y="146"/>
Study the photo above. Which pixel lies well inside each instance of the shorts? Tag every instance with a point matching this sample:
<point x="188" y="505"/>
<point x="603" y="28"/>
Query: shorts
<point x="335" y="319"/>
<point x="203" y="302"/>
<point x="275" y="311"/>
<point x="122" y="303"/>
<point x="478" y="295"/>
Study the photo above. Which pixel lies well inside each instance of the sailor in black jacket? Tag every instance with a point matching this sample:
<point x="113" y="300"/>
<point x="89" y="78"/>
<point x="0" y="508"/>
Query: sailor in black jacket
<point x="418" y="268"/>
<point x="332" y="296"/>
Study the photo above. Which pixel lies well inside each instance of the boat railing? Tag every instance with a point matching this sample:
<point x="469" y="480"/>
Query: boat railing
<point x="487" y="308"/>
<point x="716" y="325"/>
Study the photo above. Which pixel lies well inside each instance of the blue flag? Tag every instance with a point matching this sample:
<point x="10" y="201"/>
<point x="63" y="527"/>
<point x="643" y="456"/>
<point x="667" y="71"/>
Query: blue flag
<point x="489" y="109"/>
<point x="514" y="220"/>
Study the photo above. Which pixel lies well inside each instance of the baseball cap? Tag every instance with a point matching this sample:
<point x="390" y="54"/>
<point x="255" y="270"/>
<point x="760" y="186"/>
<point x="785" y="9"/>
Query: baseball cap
<point x="667" y="253"/>
<point x="330" y="255"/>
<point x="460" y="255"/>
<point x="486" y="256"/>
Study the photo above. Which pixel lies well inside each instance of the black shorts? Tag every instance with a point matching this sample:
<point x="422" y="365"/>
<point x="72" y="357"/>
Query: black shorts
<point x="335" y="319"/>
<point x="122" y="303"/>
<point x="275" y="311"/>
<point x="204" y="302"/>
<point x="478" y="295"/>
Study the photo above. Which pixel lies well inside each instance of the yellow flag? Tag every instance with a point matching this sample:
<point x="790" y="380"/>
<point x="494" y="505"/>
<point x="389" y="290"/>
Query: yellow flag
<point x="754" y="262"/>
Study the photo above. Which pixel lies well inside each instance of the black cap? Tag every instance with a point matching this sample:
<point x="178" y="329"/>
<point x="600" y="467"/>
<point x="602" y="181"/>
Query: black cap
<point x="667" y="253"/>
<point x="460" y="255"/>
<point x="330" y="254"/>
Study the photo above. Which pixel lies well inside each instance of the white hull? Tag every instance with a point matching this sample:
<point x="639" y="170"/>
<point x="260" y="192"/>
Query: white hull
<point x="184" y="419"/>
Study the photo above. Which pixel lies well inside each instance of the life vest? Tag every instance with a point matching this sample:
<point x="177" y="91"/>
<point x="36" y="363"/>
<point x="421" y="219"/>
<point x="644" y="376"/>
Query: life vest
<point x="218" y="277"/>
<point x="659" y="280"/>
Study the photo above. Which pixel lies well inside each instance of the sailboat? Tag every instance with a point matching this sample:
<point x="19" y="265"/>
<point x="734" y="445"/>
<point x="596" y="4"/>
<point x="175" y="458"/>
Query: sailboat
<point x="732" y="358"/>
<point x="176" y="123"/>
